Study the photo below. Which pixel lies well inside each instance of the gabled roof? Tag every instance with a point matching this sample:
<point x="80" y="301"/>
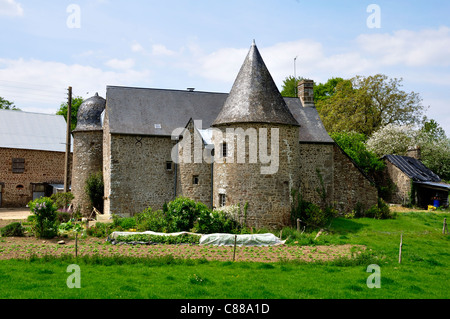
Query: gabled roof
<point x="254" y="97"/>
<point x="413" y="168"/>
<point x="32" y="131"/>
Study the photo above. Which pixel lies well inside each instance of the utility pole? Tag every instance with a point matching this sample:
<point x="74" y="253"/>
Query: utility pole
<point x="68" y="140"/>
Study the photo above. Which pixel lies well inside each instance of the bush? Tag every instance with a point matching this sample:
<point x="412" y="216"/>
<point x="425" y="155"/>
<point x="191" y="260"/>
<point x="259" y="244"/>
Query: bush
<point x="216" y="221"/>
<point x="151" y="220"/>
<point x="12" y="230"/>
<point x="100" y="230"/>
<point x="124" y="223"/>
<point x="310" y="214"/>
<point x="62" y="200"/>
<point x="95" y="190"/>
<point x="379" y="211"/>
<point x="182" y="213"/>
<point x="45" y="222"/>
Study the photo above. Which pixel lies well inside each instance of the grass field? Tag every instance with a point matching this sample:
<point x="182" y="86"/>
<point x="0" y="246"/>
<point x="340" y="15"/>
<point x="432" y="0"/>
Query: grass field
<point x="423" y="273"/>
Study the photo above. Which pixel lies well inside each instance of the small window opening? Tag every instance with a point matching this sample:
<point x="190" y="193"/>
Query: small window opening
<point x="195" y="180"/>
<point x="222" y="200"/>
<point x="169" y="166"/>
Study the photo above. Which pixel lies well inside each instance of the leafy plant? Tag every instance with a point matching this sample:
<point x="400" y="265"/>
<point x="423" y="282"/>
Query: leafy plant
<point x="310" y="214"/>
<point x="95" y="190"/>
<point x="62" y="200"/>
<point x="45" y="222"/>
<point x="12" y="230"/>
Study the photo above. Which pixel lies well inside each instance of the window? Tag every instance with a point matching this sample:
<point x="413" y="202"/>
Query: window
<point x="222" y="200"/>
<point x="18" y="165"/>
<point x="169" y="166"/>
<point x="195" y="180"/>
<point x="224" y="150"/>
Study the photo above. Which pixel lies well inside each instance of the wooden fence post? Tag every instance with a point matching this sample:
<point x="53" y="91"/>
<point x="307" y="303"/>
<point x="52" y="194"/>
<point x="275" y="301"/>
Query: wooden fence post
<point x="400" y="250"/>
<point x="444" y="228"/>
<point x="234" y="252"/>
<point x="298" y="224"/>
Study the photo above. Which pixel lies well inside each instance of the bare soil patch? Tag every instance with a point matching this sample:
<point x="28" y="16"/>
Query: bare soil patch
<point x="25" y="247"/>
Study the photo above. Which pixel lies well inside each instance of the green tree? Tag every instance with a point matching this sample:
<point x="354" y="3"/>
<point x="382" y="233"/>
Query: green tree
<point x="7" y="105"/>
<point x="76" y="102"/>
<point x="365" y="104"/>
<point x="354" y="144"/>
<point x="290" y="86"/>
<point x="323" y="91"/>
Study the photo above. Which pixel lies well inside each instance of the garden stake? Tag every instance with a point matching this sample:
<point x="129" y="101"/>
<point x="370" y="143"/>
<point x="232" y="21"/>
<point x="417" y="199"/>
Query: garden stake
<point x="76" y="246"/>
<point x="400" y="250"/>
<point x="234" y="253"/>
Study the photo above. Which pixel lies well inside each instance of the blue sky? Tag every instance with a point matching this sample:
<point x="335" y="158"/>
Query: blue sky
<point x="202" y="44"/>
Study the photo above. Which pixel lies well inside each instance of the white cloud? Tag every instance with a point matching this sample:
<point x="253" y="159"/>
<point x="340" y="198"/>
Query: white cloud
<point x="11" y="8"/>
<point x="428" y="47"/>
<point x="161" y="50"/>
<point x="136" y="47"/>
<point x="120" y="64"/>
<point x="32" y="83"/>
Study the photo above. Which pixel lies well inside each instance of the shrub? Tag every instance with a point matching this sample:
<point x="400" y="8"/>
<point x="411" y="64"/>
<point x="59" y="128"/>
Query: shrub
<point x="62" y="200"/>
<point x="12" y="230"/>
<point x="124" y="223"/>
<point x="182" y="213"/>
<point x="216" y="221"/>
<point x="151" y="220"/>
<point x="310" y="214"/>
<point x="379" y="211"/>
<point x="100" y="230"/>
<point x="45" y="222"/>
<point x="63" y="217"/>
<point x="95" y="190"/>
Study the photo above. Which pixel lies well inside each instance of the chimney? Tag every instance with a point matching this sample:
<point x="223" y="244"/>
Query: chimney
<point x="306" y="92"/>
<point x="414" y="152"/>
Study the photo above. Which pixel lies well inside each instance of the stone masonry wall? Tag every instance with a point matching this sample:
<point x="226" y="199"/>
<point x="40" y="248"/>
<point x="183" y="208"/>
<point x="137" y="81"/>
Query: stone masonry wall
<point x="350" y="184"/>
<point x="316" y="173"/>
<point x="268" y="195"/>
<point x="190" y="167"/>
<point x="40" y="167"/>
<point x="137" y="176"/>
<point x="402" y="182"/>
<point x="87" y="159"/>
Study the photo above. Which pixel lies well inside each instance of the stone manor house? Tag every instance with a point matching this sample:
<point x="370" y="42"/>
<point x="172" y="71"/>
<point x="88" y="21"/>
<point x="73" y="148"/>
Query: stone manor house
<point x="154" y="145"/>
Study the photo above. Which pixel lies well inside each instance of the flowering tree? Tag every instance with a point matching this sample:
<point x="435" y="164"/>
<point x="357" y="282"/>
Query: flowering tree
<point x="44" y="211"/>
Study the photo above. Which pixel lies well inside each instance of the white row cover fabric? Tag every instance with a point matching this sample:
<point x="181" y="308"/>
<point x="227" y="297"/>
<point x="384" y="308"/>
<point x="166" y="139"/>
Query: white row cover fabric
<point x="217" y="239"/>
<point x="241" y="240"/>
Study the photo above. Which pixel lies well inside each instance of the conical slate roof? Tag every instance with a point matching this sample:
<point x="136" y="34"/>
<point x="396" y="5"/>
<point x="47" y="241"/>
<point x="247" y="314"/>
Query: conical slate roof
<point x="254" y="97"/>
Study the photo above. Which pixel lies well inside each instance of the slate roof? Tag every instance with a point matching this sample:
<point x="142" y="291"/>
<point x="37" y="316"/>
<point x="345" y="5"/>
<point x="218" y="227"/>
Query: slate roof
<point x="254" y="97"/>
<point x="32" y="131"/>
<point x="413" y="168"/>
<point x="89" y="115"/>
<point x="142" y="111"/>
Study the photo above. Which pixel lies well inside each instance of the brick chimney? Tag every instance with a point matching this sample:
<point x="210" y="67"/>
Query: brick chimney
<point x="414" y="152"/>
<point x="306" y="92"/>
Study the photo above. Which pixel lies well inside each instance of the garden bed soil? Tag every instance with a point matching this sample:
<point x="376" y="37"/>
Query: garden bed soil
<point x="25" y="247"/>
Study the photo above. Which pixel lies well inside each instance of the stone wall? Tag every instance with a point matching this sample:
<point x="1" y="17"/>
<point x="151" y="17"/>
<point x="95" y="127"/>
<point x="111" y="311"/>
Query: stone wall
<point x="136" y="173"/>
<point x="41" y="167"/>
<point x="317" y="173"/>
<point x="268" y="195"/>
<point x="87" y="159"/>
<point x="191" y="167"/>
<point x="351" y="186"/>
<point x="402" y="182"/>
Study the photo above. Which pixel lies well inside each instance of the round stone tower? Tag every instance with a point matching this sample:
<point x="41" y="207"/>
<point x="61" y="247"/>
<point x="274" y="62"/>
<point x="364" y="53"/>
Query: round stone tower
<point x="87" y="150"/>
<point x="256" y="140"/>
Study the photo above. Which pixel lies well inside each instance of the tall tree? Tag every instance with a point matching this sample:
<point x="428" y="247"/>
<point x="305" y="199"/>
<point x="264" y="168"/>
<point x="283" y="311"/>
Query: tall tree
<point x="323" y="91"/>
<point x="76" y="102"/>
<point x="7" y="105"/>
<point x="290" y="86"/>
<point x="365" y="104"/>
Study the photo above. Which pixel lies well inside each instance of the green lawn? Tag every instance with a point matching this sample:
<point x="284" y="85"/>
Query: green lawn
<point x="423" y="273"/>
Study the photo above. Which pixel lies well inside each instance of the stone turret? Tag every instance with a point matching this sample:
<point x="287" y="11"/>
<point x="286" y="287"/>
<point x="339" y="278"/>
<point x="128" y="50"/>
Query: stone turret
<point x="257" y="136"/>
<point x="87" y="150"/>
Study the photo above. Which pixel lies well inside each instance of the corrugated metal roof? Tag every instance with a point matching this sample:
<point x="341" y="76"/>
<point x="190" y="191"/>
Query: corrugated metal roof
<point x="413" y="168"/>
<point x="32" y="131"/>
<point x="141" y="111"/>
<point x="434" y="185"/>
